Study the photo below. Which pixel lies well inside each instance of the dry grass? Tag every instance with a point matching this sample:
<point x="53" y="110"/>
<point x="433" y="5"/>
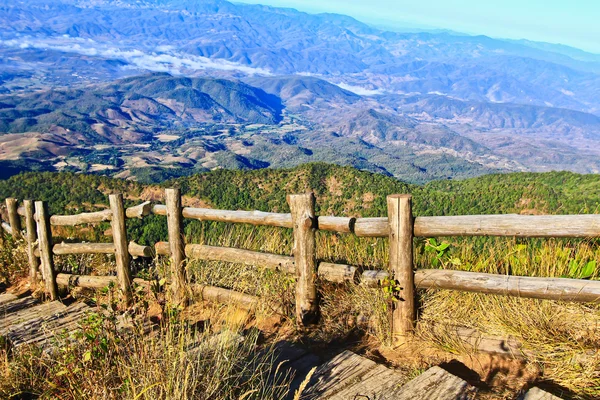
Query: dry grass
<point x="174" y="362"/>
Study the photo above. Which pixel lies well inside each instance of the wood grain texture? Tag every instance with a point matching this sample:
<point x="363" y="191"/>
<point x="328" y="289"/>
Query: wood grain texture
<point x="83" y="248"/>
<point x="337" y="272"/>
<point x="83" y="218"/>
<point x="373" y="278"/>
<point x="336" y="224"/>
<point x="401" y="263"/>
<point x="176" y="244"/>
<point x="579" y="290"/>
<point x="139" y="211"/>
<point x="225" y="296"/>
<point x="45" y="246"/>
<point x="508" y="225"/>
<point x="243" y="217"/>
<point x="31" y="233"/>
<point x="302" y="207"/>
<point x="137" y="250"/>
<point x="121" y="246"/>
<point x="13" y="217"/>
<point x="247" y="257"/>
<point x="92" y="281"/>
<point x="42" y="330"/>
<point x="538" y="394"/>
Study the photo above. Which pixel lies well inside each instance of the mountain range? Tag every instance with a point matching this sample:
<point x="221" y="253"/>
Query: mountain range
<point x="123" y="86"/>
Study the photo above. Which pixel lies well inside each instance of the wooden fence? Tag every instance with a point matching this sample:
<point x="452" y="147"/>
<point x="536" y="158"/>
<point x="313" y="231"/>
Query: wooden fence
<point x="399" y="226"/>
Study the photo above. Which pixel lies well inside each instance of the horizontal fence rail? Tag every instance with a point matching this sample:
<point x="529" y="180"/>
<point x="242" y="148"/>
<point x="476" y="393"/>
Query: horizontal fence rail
<point x="400" y="227"/>
<point x="559" y="226"/>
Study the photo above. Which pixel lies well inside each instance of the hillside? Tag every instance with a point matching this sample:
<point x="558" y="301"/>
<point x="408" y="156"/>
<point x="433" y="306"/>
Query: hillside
<point x="339" y="191"/>
<point x="130" y="110"/>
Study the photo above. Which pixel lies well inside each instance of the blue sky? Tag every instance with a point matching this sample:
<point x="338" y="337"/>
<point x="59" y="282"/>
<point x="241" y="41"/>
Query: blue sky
<point x="572" y="22"/>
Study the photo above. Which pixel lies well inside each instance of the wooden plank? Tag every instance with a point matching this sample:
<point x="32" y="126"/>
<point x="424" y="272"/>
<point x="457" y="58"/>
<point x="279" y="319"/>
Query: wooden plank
<point x="45" y="245"/>
<point x="434" y="384"/>
<point x="349" y="376"/>
<point x="121" y="245"/>
<point x="228" y="254"/>
<point x="31" y="229"/>
<point x="27" y="314"/>
<point x="12" y="304"/>
<point x="6" y="298"/>
<point x="42" y="330"/>
<point x="337" y="374"/>
<point x="538" y="394"/>
<point x="401" y="264"/>
<point x="511" y="225"/>
<point x="13" y="217"/>
<point x="140" y="211"/>
<point x="305" y="257"/>
<point x="83" y="218"/>
<point x="83" y="248"/>
<point x="565" y="289"/>
<point x="378" y="383"/>
<point x="177" y="247"/>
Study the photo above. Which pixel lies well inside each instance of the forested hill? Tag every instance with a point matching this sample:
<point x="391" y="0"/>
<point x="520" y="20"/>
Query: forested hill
<point x="339" y="191"/>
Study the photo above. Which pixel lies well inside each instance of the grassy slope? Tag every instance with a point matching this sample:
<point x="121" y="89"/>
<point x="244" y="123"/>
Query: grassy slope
<point x="339" y="190"/>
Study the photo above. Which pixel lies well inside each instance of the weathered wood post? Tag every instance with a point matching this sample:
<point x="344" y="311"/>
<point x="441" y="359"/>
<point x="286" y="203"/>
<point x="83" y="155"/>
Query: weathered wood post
<point x="400" y="219"/>
<point x="45" y="244"/>
<point x="304" y="222"/>
<point x="31" y="229"/>
<point x="13" y="217"/>
<point x="176" y="244"/>
<point x="121" y="246"/>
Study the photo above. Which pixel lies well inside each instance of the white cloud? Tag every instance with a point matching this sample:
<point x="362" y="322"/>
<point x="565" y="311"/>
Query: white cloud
<point x="361" y="91"/>
<point x="163" y="60"/>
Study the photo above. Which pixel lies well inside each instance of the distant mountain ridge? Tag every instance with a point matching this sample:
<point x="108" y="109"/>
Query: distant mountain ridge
<point x="124" y="87"/>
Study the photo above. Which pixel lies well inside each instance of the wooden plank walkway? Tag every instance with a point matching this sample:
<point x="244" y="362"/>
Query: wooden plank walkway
<point x="27" y="321"/>
<point x="346" y="376"/>
<point x="350" y="376"/>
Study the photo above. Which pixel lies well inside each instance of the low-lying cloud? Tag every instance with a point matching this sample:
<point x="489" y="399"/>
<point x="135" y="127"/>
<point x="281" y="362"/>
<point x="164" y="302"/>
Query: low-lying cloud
<point x="361" y="91"/>
<point x="163" y="59"/>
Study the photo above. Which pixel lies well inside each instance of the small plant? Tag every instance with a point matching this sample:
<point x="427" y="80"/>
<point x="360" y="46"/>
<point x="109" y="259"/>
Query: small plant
<point x="440" y="253"/>
<point x="581" y="271"/>
<point x="391" y="289"/>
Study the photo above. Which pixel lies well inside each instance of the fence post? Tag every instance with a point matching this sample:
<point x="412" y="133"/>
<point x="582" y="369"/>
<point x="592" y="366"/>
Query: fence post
<point x="13" y="218"/>
<point x="174" y="222"/>
<point x="34" y="262"/>
<point x="121" y="246"/>
<point x="302" y="207"/>
<point x="400" y="219"/>
<point x="45" y="242"/>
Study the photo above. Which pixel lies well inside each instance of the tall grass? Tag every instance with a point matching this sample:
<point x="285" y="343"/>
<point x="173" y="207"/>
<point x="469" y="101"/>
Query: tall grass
<point x="175" y="361"/>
